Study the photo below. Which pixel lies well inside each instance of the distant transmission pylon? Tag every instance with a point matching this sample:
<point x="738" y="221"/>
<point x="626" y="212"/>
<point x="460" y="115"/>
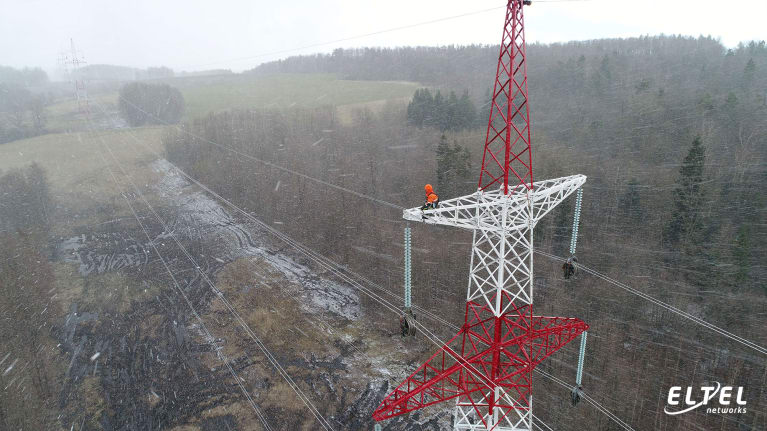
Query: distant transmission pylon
<point x="62" y="68"/>
<point x="486" y="369"/>
<point x="76" y="60"/>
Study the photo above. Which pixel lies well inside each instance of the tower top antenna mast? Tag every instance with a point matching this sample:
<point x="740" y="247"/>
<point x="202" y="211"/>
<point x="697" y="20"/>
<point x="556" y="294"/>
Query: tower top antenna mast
<point x="507" y="159"/>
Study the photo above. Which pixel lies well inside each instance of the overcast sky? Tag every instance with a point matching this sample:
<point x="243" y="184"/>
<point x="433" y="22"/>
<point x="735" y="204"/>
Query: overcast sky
<point x="239" y="34"/>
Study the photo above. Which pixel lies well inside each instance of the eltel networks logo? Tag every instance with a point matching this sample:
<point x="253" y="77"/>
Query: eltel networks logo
<point x="725" y="397"/>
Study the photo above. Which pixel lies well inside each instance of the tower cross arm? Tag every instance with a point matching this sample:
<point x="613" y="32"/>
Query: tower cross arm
<point x="492" y="210"/>
<point x="458" y="212"/>
<point x="549" y="193"/>
<point x="549" y="334"/>
<point x="485" y="362"/>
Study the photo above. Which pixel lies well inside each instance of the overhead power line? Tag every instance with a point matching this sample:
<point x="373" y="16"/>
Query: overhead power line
<point x="662" y="304"/>
<point x="643" y="295"/>
<point x="391" y="307"/>
<point x="346" y="39"/>
<point x="267" y="353"/>
<point x="274" y="165"/>
<point x="588" y="399"/>
<point x="319" y="259"/>
<point x="209" y="337"/>
<point x="364" y="35"/>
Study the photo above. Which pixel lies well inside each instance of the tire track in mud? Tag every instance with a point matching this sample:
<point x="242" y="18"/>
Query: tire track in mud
<point x="103" y="252"/>
<point x="318" y="297"/>
<point x="232" y="239"/>
<point x="148" y="359"/>
<point x="140" y="365"/>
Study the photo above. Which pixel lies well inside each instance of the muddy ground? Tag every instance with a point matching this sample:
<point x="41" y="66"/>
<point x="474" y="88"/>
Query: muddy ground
<point x="138" y="359"/>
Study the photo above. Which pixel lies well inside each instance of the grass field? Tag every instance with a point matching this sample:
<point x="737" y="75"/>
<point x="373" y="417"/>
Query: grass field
<point x="79" y="180"/>
<point x="70" y="154"/>
<point x="288" y="90"/>
<point x="64" y="116"/>
<point x="220" y="93"/>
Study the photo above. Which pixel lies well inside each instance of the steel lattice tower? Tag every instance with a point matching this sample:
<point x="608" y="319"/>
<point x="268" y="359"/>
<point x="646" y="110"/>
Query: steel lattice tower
<point x="81" y="91"/>
<point x="487" y="367"/>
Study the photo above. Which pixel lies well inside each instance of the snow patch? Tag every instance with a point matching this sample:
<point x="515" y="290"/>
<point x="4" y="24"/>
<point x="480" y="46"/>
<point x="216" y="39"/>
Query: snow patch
<point x="247" y="240"/>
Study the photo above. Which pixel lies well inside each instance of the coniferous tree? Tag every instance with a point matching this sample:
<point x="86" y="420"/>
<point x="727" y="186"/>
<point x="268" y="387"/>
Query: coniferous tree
<point x="685" y="221"/>
<point x="443" y="113"/>
<point x="141" y="103"/>
<point x="453" y="168"/>
<point x="419" y="107"/>
<point x="463" y="163"/>
<point x="467" y="113"/>
<point x="450" y="114"/>
<point x="484" y="111"/>
<point x="748" y="74"/>
<point x="443" y="164"/>
<point x="437" y="112"/>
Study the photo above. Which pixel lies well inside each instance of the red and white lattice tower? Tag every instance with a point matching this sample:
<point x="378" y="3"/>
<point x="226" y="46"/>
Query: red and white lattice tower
<point x="487" y="367"/>
<point x="81" y="92"/>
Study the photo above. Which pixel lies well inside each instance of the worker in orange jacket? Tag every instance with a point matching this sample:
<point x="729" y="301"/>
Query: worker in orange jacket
<point x="432" y="200"/>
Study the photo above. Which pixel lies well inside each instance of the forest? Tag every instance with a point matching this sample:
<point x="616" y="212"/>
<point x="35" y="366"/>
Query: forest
<point x="670" y="131"/>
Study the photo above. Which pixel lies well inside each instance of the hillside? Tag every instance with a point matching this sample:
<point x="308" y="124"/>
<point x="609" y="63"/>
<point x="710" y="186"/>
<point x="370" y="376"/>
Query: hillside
<point x="623" y="112"/>
<point x="620" y="111"/>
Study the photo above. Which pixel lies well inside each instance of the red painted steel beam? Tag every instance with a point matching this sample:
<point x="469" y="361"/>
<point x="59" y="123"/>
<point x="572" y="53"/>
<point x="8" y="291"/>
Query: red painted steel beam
<point x="519" y="342"/>
<point x="508" y="126"/>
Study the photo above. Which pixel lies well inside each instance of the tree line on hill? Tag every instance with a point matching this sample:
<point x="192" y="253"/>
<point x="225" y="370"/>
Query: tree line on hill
<point x="579" y="70"/>
<point x="613" y="99"/>
<point x="443" y="113"/>
<point x="111" y="72"/>
<point x="117" y="73"/>
<point x="26" y="77"/>
<point x="141" y="103"/>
